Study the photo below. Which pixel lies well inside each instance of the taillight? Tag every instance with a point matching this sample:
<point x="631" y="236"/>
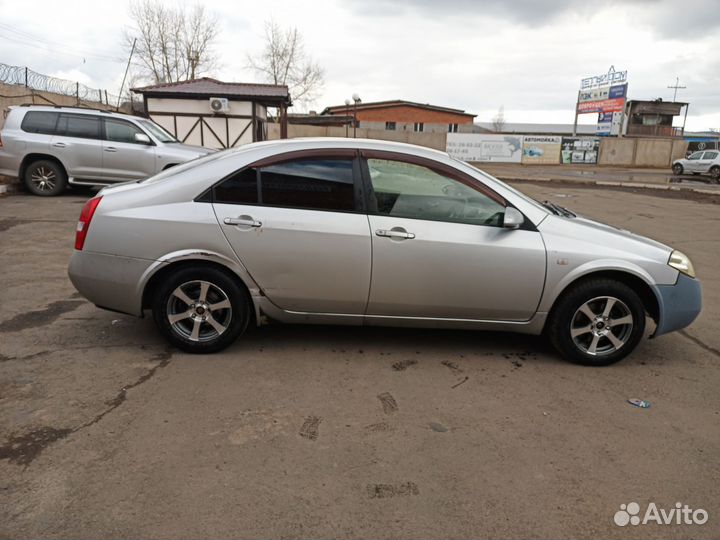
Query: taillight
<point x="84" y="222"/>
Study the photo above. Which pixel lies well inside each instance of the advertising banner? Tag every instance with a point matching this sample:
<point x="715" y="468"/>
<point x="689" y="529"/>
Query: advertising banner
<point x="541" y="149"/>
<point x="619" y="91"/>
<point x="481" y="147"/>
<point x="604" y="125"/>
<point x="606" y="105"/>
<point x="579" y="150"/>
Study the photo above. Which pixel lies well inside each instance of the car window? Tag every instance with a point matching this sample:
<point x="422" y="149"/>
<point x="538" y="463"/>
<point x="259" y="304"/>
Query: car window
<point x="39" y="122"/>
<point x="695" y="155"/>
<point x="121" y="131"/>
<point x="239" y="188"/>
<point x="314" y="183"/>
<point x="82" y="126"/>
<point x="159" y="132"/>
<point x="418" y="192"/>
<point x="710" y="155"/>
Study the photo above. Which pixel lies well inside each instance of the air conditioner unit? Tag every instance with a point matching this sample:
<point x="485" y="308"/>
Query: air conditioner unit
<point x="219" y="104"/>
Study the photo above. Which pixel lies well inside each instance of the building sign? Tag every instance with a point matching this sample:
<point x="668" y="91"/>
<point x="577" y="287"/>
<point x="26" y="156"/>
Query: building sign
<point x="481" y="147"/>
<point x="579" y="150"/>
<point x="606" y="79"/>
<point x="604" y="106"/>
<point x="541" y="150"/>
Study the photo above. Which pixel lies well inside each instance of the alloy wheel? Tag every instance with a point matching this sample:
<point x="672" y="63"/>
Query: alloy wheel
<point x="601" y="326"/>
<point x="199" y="311"/>
<point x="43" y="178"/>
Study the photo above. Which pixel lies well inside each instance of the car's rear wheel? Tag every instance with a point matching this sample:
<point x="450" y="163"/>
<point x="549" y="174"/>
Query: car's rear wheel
<point x="597" y="322"/>
<point x="45" y="178"/>
<point x="677" y="169"/>
<point x="715" y="174"/>
<point x="201" y="310"/>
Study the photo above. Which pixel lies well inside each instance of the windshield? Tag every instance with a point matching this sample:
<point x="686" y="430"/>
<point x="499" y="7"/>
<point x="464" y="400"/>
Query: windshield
<point x="158" y="132"/>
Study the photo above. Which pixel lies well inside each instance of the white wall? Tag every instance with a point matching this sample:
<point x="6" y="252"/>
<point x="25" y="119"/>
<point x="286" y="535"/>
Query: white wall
<point x="201" y="106"/>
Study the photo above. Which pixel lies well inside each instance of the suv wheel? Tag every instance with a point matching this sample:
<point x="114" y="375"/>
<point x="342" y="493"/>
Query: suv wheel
<point x="201" y="310"/>
<point x="45" y="178"/>
<point x="597" y="322"/>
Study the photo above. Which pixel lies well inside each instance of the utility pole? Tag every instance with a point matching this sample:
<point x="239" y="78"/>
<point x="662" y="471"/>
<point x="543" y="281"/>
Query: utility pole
<point x="126" y="72"/>
<point x="676" y="87"/>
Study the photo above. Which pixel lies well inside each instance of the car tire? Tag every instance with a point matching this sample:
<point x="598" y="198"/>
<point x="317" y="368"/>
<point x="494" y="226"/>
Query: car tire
<point x="585" y="340"/>
<point x="677" y="169"/>
<point x="45" y="178"/>
<point x="715" y="173"/>
<point x="201" y="309"/>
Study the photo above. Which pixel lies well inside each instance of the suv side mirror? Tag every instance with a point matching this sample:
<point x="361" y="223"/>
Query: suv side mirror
<point x="142" y="138"/>
<point x="513" y="218"/>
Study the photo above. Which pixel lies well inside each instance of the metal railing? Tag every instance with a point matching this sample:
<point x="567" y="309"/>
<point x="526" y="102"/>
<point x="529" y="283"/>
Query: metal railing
<point x="23" y="76"/>
<point x="654" y="131"/>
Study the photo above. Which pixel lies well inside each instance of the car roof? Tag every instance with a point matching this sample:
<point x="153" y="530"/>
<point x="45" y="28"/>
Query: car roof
<point x="72" y="109"/>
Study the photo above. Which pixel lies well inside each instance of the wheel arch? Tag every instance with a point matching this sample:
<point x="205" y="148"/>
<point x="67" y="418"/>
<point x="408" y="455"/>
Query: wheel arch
<point x="155" y="274"/>
<point x="38" y="156"/>
<point x="640" y="285"/>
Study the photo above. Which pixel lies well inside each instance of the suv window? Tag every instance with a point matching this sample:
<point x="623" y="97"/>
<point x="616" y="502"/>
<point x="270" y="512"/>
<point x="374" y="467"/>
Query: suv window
<point x="83" y="126"/>
<point x="121" y="131"/>
<point x="39" y="122"/>
<point x="710" y="155"/>
<point x="418" y="192"/>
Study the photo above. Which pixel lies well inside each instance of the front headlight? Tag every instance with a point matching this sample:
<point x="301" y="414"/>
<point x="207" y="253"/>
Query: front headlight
<point x="680" y="261"/>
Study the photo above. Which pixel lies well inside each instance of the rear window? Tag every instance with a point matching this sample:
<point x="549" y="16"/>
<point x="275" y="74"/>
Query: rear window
<point x="39" y="122"/>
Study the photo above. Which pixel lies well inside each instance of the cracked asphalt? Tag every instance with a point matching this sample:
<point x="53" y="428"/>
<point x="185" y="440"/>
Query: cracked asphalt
<point x="324" y="432"/>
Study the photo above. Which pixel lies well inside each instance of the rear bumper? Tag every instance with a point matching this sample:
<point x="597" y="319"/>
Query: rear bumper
<point x="109" y="281"/>
<point x="680" y="304"/>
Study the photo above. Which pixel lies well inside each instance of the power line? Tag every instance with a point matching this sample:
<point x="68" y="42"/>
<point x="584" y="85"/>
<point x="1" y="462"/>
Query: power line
<point x="54" y="49"/>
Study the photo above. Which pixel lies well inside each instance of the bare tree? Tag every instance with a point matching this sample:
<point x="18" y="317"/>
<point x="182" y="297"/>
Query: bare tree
<point x="498" y="122"/>
<point x="284" y="60"/>
<point x="172" y="43"/>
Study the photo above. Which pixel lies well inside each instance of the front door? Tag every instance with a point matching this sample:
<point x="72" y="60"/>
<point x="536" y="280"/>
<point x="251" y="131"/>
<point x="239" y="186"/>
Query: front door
<point x="440" y="251"/>
<point x="123" y="157"/>
<point x="299" y="229"/>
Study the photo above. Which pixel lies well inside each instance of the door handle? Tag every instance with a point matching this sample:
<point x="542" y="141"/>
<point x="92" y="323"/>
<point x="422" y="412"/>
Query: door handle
<point x="110" y="149"/>
<point x="59" y="145"/>
<point x="395" y="232"/>
<point x="243" y="221"/>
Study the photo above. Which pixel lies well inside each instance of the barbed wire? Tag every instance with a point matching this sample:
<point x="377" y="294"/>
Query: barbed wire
<point x="24" y="76"/>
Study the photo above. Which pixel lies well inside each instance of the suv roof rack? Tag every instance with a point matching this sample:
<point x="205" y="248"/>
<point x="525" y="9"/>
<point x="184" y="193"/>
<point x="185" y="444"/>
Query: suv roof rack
<point x="67" y="107"/>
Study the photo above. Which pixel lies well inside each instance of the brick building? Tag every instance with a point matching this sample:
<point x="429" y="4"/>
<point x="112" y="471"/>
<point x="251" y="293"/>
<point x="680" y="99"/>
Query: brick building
<point x="399" y="115"/>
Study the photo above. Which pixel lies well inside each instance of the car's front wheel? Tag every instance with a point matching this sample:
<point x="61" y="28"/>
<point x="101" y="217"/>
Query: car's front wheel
<point x="597" y="322"/>
<point x="677" y="169"/>
<point x="201" y="310"/>
<point x="45" y="178"/>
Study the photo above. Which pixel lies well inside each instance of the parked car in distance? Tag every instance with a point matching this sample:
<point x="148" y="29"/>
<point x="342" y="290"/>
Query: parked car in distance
<point x="49" y="147"/>
<point x="363" y="232"/>
<point x="700" y="162"/>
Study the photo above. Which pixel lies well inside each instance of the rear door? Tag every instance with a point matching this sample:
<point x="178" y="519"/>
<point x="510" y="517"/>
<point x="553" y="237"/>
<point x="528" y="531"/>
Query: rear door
<point x="77" y="143"/>
<point x="123" y="158"/>
<point x="297" y="223"/>
<point x="439" y="248"/>
<point x="707" y="160"/>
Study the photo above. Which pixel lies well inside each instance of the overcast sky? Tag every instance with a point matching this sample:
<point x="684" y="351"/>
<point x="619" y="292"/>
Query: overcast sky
<point x="525" y="55"/>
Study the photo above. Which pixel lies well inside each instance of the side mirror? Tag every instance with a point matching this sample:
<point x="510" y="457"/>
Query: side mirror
<point x="142" y="138"/>
<point x="512" y="218"/>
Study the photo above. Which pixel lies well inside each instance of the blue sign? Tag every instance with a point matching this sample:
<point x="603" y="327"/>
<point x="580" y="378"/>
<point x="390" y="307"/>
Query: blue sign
<point x="618" y="91"/>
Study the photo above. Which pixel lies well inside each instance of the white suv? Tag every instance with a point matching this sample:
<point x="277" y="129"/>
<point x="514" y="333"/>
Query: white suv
<point x="50" y="147"/>
<point x="701" y="162"/>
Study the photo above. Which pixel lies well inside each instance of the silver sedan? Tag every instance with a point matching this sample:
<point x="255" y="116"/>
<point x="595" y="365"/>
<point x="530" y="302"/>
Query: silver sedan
<point x="363" y="232"/>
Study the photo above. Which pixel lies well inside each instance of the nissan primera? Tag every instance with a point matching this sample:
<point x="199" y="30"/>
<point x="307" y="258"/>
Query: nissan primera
<point x="363" y="232"/>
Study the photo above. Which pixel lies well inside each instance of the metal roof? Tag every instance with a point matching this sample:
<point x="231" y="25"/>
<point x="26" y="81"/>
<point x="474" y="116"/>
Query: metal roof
<point x="394" y="103"/>
<point x="206" y="87"/>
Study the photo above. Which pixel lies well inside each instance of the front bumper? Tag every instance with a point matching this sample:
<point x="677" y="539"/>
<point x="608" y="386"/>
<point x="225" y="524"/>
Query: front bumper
<point x="109" y="281"/>
<point x="680" y="304"/>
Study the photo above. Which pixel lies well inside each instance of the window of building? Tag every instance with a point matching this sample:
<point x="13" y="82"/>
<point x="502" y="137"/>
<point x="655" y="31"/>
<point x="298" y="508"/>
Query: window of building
<point x="418" y="126"/>
<point x="390" y="125"/>
<point x="413" y="191"/>
<point x="316" y="184"/>
<point x="452" y="128"/>
<point x="240" y="188"/>
<point x="121" y="131"/>
<point x="39" y="122"/>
